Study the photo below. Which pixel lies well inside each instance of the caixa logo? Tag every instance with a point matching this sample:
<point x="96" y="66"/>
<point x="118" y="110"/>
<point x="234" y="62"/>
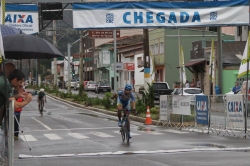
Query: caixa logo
<point x="201" y="105"/>
<point x="19" y="18"/>
<point x="234" y="106"/>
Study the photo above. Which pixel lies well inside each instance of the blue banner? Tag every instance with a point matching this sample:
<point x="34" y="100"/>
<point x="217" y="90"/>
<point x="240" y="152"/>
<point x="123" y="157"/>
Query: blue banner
<point x="201" y="108"/>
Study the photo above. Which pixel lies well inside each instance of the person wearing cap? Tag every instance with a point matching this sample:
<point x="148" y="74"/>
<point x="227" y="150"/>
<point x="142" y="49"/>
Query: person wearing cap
<point x="124" y="98"/>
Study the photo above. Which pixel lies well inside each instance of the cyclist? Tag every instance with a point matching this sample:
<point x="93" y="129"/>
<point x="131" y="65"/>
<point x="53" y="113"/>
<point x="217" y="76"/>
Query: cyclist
<point x="41" y="96"/>
<point x="124" y="99"/>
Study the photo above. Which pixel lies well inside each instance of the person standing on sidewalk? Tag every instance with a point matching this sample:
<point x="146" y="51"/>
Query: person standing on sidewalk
<point x="236" y="88"/>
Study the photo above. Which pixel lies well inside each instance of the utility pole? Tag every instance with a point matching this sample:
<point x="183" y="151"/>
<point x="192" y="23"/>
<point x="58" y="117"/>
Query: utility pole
<point x="80" y="71"/>
<point x="81" y="63"/>
<point x="115" y="79"/>
<point x="55" y="60"/>
<point x="219" y="58"/>
<point x="146" y="58"/>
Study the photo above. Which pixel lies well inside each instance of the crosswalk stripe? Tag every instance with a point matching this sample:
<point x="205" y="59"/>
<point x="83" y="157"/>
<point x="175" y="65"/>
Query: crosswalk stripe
<point x="151" y="132"/>
<point x="100" y="134"/>
<point x="52" y="136"/>
<point x="132" y="134"/>
<point x="27" y="138"/>
<point x="77" y="135"/>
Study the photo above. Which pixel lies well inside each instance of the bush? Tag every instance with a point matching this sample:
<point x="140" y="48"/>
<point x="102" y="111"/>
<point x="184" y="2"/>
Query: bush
<point x="89" y="101"/>
<point x="154" y="110"/>
<point x="97" y="101"/>
<point x="140" y="106"/>
<point x="106" y="101"/>
<point x="148" y="96"/>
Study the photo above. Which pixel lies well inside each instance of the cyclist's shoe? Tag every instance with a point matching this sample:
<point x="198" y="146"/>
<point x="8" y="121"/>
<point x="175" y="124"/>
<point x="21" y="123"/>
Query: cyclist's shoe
<point x="119" y="123"/>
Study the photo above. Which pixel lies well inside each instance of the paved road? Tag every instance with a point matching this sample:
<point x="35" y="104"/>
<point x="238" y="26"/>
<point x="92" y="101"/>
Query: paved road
<point x="68" y="135"/>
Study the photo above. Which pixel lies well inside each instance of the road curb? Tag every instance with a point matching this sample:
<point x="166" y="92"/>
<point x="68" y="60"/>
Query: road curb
<point x="131" y="117"/>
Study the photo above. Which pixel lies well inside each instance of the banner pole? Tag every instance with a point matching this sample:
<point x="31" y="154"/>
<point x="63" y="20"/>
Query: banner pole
<point x="246" y="107"/>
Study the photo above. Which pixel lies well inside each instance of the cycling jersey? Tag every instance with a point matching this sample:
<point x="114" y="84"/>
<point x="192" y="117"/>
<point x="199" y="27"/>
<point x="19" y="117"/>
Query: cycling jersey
<point x="41" y="95"/>
<point x="125" y="99"/>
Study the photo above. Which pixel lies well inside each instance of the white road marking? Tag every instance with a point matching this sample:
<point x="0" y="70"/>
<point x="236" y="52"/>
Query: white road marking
<point x="52" y="136"/>
<point x="100" y="134"/>
<point x="132" y="134"/>
<point x="28" y="138"/>
<point x="77" y="135"/>
<point x="23" y="156"/>
<point x="151" y="132"/>
<point x="47" y="127"/>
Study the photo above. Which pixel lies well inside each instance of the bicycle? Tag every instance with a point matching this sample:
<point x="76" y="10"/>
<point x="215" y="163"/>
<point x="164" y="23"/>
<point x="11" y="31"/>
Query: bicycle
<point x="124" y="128"/>
<point x="40" y="106"/>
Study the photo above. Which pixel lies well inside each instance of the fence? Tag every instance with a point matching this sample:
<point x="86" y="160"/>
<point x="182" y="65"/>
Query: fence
<point x="219" y="114"/>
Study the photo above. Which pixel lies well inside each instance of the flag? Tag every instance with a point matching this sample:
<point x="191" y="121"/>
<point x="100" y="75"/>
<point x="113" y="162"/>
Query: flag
<point x="182" y="71"/>
<point x="152" y="67"/>
<point x="1" y="47"/>
<point x="246" y="55"/>
<point x="211" y="62"/>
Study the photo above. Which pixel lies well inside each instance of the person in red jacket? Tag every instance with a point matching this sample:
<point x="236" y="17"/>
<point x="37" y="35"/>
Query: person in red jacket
<point x="17" y="119"/>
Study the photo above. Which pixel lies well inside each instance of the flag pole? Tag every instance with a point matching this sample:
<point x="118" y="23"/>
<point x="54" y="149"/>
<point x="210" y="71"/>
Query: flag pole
<point x="246" y="98"/>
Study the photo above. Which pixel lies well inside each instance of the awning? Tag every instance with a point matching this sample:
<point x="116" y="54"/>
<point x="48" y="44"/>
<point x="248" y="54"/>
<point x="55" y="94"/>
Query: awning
<point x="193" y="63"/>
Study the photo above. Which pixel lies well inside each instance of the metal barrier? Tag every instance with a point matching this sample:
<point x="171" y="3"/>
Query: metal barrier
<point x="215" y="113"/>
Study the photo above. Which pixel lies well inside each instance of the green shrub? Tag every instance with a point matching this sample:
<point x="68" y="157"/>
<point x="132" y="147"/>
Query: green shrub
<point x="106" y="101"/>
<point x="140" y="106"/>
<point x="97" y="101"/>
<point x="148" y="96"/>
<point x="154" y="110"/>
<point x="89" y="101"/>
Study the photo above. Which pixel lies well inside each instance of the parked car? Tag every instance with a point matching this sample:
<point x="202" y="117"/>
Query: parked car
<point x="72" y="83"/>
<point x="77" y="85"/>
<point x="102" y="86"/>
<point x="188" y="92"/>
<point x="90" y="86"/>
<point x="161" y="88"/>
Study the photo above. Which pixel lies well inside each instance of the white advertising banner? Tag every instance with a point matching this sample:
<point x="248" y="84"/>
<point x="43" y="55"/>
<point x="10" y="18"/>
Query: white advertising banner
<point x="22" y="16"/>
<point x="164" y="107"/>
<point x="181" y="105"/>
<point x="235" y="111"/>
<point x="106" y="57"/>
<point x="159" y="14"/>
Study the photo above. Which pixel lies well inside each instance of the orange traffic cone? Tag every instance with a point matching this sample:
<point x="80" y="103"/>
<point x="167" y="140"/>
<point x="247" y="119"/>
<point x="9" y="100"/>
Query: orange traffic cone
<point x="148" y="117"/>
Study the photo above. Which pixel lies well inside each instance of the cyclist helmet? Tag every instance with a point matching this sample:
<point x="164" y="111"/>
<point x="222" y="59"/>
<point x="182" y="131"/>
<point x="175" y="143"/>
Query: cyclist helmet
<point x="128" y="87"/>
<point x="42" y="90"/>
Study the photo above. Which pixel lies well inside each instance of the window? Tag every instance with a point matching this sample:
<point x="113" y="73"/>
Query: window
<point x="156" y="49"/>
<point x="161" y="48"/>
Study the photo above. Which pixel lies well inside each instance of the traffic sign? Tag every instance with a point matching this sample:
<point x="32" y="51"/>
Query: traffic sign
<point x="103" y="33"/>
<point x="87" y="59"/>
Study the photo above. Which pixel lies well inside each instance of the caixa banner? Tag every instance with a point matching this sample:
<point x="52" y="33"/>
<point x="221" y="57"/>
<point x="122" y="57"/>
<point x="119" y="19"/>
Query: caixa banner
<point x="160" y="14"/>
<point x="22" y="16"/>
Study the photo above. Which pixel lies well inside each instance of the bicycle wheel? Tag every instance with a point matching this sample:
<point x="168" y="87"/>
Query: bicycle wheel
<point x="127" y="136"/>
<point x="123" y="134"/>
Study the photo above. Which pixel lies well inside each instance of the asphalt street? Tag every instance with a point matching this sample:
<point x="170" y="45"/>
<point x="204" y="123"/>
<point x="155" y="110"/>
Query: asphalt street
<point x="67" y="135"/>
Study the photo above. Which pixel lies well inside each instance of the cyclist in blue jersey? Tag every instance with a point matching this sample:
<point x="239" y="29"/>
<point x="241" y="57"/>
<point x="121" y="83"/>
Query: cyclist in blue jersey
<point x="124" y="100"/>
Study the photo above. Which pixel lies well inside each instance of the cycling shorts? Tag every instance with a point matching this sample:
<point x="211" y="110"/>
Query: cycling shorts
<point x="125" y="106"/>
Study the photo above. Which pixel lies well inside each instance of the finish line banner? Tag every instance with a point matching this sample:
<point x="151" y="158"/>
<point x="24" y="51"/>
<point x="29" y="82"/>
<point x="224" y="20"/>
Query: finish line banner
<point x="160" y="14"/>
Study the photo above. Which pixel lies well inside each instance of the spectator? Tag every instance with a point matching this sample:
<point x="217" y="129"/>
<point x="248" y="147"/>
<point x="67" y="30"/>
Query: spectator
<point x="236" y="88"/>
<point x="198" y="83"/>
<point x="192" y="84"/>
<point x="187" y="84"/>
<point x="18" y="114"/>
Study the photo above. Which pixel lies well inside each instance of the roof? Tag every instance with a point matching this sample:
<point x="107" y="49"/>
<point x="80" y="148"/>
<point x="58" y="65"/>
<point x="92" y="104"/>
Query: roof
<point x="229" y="50"/>
<point x="193" y="63"/>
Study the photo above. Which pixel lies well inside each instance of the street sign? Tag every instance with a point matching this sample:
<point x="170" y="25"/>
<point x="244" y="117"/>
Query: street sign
<point x="103" y="33"/>
<point x="87" y="59"/>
